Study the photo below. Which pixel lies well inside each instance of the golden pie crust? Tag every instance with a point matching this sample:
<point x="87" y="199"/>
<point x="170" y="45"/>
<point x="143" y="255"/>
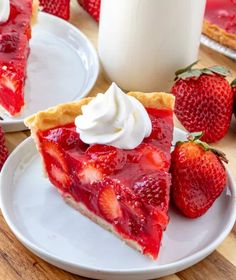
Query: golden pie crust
<point x="35" y="12"/>
<point x="66" y="113"/>
<point x="220" y="35"/>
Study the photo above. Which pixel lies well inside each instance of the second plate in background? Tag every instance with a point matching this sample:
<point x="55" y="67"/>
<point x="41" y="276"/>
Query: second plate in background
<point x="62" y="67"/>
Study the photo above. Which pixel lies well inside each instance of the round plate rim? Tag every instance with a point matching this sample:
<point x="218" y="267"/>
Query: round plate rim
<point x="174" y="266"/>
<point x="217" y="47"/>
<point x="18" y="125"/>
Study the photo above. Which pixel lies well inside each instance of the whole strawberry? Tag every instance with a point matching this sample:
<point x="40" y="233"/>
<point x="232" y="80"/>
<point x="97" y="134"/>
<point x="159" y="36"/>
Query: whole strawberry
<point x="92" y="7"/>
<point x="59" y="8"/>
<point x="198" y="176"/>
<point x="3" y="149"/>
<point x="204" y="101"/>
<point x="233" y="85"/>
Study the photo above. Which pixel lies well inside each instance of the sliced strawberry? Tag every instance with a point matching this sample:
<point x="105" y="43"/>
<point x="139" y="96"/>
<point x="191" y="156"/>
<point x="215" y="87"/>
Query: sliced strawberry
<point x="52" y="150"/>
<point x="11" y="86"/>
<point x="149" y="157"/>
<point x="154" y="189"/>
<point x="60" y="8"/>
<point x="59" y="177"/>
<point x="109" y="204"/>
<point x="56" y="165"/>
<point x="90" y="173"/>
<point x="107" y="158"/>
<point x="10" y="78"/>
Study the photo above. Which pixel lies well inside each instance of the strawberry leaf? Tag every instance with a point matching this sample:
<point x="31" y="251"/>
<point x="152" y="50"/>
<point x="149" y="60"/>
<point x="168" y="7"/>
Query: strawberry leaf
<point x="219" y="70"/>
<point x="188" y="72"/>
<point x="233" y="83"/>
<point x="195" y="136"/>
<point x="218" y="153"/>
<point x="207" y="71"/>
<point x="186" y="69"/>
<point x="193" y="73"/>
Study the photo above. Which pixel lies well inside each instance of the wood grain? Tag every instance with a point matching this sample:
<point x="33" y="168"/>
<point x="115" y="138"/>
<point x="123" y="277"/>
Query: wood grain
<point x="215" y="267"/>
<point x="17" y="263"/>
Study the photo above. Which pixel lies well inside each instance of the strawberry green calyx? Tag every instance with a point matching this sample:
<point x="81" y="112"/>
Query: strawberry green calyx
<point x="189" y="72"/>
<point x="233" y="83"/>
<point x="192" y="137"/>
<point x="186" y="69"/>
<point x="195" y="137"/>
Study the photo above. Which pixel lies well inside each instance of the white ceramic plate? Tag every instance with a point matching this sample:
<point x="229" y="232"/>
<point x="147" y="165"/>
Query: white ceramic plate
<point x="208" y="42"/>
<point x="62" y="66"/>
<point x="62" y="236"/>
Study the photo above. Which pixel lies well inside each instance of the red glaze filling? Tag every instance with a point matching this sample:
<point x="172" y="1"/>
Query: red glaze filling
<point x="14" y="50"/>
<point x="127" y="188"/>
<point x="222" y="13"/>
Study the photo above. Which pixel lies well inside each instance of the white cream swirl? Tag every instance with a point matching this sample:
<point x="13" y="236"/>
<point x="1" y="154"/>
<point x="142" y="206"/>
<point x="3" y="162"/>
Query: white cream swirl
<point x="115" y="119"/>
<point x="4" y="10"/>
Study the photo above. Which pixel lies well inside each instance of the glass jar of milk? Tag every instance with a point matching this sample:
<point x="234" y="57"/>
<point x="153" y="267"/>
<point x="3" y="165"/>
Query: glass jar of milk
<point x="143" y="42"/>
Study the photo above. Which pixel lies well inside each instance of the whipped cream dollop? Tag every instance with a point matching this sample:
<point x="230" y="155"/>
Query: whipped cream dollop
<point x="4" y="10"/>
<point x="114" y="118"/>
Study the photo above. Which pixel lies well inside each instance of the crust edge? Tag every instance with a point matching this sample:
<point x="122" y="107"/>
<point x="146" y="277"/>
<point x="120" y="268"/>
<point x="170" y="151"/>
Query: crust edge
<point x="218" y="34"/>
<point x="35" y="7"/>
<point x="66" y="113"/>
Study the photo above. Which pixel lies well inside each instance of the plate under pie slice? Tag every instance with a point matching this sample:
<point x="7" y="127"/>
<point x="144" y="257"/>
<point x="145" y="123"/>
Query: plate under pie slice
<point x="220" y="22"/>
<point x="124" y="191"/>
<point x="15" y="34"/>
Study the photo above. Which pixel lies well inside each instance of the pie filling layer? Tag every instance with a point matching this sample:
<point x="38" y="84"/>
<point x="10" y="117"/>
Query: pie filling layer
<point x="129" y="189"/>
<point x="222" y="13"/>
<point x="14" y="51"/>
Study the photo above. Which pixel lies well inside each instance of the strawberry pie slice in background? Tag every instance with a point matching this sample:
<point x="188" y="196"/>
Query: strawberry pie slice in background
<point x="15" y="33"/>
<point x="220" y="22"/>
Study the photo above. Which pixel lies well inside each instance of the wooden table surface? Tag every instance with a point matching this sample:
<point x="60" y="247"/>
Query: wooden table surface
<point x="16" y="262"/>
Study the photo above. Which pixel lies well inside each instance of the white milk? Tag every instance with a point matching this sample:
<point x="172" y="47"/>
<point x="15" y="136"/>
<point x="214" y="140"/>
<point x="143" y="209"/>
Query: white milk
<point x="143" y="42"/>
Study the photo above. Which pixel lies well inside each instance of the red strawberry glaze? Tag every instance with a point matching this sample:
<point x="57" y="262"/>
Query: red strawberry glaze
<point x="14" y="50"/>
<point x="222" y="13"/>
<point x="162" y="128"/>
<point x="127" y="188"/>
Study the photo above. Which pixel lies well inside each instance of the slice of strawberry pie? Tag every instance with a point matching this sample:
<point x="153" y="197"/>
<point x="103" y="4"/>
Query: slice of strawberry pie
<point x="109" y="157"/>
<point x="220" y="22"/>
<point x="15" y="34"/>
